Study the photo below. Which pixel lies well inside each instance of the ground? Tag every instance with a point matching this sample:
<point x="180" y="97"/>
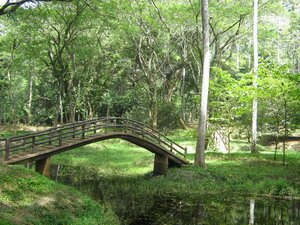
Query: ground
<point x="29" y="198"/>
<point x="119" y="169"/>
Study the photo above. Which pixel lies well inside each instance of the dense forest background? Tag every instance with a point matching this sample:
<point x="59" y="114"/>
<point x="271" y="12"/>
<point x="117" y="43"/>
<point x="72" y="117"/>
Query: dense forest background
<point x="66" y="61"/>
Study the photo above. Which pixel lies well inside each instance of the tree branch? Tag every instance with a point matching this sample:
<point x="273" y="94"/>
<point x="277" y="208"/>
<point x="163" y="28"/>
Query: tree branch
<point x="10" y="7"/>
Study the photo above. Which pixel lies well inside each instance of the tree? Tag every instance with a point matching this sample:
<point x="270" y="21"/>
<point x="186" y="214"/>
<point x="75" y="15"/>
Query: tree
<point x="11" y="6"/>
<point x="255" y="71"/>
<point x="200" y="148"/>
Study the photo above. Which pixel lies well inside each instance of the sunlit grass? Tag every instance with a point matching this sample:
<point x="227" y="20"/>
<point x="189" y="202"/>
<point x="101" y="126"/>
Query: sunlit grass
<point x="109" y="158"/>
<point x="122" y="167"/>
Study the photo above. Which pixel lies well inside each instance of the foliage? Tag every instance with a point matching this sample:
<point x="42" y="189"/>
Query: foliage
<point x="86" y="59"/>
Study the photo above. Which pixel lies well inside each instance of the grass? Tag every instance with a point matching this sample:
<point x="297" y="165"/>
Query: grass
<point x="29" y="198"/>
<point x="117" y="170"/>
<point x="8" y="133"/>
<point x="121" y="167"/>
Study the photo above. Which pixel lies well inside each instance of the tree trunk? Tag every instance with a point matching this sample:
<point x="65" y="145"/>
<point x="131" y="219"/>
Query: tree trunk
<point x="72" y="104"/>
<point x="182" y="91"/>
<point x="56" y="116"/>
<point x="182" y="95"/>
<point x="30" y="100"/>
<point x="60" y="102"/>
<point x="200" y="148"/>
<point x="254" y="104"/>
<point x="277" y="140"/>
<point x="91" y="112"/>
<point x="154" y="110"/>
<point x="285" y="130"/>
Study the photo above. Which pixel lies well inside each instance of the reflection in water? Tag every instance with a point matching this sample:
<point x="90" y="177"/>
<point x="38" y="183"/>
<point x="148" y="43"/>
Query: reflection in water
<point x="158" y="210"/>
<point x="252" y="206"/>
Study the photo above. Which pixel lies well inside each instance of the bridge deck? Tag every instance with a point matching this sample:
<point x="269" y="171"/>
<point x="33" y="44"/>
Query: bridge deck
<point x="32" y="147"/>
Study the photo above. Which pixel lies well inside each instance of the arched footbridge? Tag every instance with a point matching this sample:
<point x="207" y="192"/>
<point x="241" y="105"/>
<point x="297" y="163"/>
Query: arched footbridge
<point x="40" y="146"/>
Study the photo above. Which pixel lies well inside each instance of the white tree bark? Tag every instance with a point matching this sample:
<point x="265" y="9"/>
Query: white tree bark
<point x="255" y="70"/>
<point x="200" y="148"/>
<point x="30" y="100"/>
<point x="252" y="209"/>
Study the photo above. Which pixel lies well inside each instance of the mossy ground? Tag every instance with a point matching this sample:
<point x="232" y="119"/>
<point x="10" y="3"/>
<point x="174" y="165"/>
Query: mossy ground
<point x="29" y="198"/>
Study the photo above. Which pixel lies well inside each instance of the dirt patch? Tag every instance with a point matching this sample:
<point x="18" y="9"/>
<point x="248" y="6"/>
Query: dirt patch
<point x="290" y="145"/>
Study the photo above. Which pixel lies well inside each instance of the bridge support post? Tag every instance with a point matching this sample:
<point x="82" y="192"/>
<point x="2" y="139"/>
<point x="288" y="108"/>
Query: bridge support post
<point x="160" y="165"/>
<point x="42" y="166"/>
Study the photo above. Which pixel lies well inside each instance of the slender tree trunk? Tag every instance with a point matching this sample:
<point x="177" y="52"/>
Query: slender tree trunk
<point x="108" y="110"/>
<point x="60" y="102"/>
<point x="200" y="148"/>
<point x="13" y="102"/>
<point x="277" y="140"/>
<point x="154" y="109"/>
<point x="285" y="130"/>
<point x="182" y="91"/>
<point x="254" y="104"/>
<point x="30" y="100"/>
<point x="229" y="142"/>
<point x="72" y="104"/>
<point x="169" y="92"/>
<point x="91" y="112"/>
<point x="57" y="111"/>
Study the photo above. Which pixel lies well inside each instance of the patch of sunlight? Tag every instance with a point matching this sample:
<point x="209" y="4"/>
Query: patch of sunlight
<point x="216" y="162"/>
<point x="4" y="199"/>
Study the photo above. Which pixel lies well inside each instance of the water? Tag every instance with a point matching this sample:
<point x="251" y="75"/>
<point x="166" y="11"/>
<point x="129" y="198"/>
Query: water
<point x="192" y="210"/>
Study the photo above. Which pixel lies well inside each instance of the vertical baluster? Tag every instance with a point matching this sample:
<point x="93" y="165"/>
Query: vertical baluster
<point x="126" y="125"/>
<point x="171" y="146"/>
<point x="159" y="139"/>
<point x="106" y="125"/>
<point x="133" y="128"/>
<point x="83" y="130"/>
<point x="7" y="149"/>
<point x="95" y="127"/>
<point x="185" y="151"/>
<point x="115" y="124"/>
<point x="59" y="137"/>
<point x="50" y="137"/>
<point x="74" y="129"/>
<point x="33" y="144"/>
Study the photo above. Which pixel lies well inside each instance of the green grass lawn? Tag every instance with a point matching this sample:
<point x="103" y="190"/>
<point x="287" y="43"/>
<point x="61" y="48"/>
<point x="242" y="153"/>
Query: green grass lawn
<point x="29" y="198"/>
<point x="122" y="167"/>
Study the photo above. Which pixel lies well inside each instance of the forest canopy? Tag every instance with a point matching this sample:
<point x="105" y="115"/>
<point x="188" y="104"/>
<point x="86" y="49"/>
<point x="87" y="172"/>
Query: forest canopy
<point x="62" y="61"/>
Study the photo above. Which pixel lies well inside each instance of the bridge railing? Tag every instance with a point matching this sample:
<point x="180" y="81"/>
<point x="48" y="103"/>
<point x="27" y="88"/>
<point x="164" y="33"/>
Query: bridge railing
<point x="44" y="140"/>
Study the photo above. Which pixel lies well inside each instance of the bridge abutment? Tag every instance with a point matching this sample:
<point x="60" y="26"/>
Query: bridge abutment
<point x="42" y="166"/>
<point x="160" y="165"/>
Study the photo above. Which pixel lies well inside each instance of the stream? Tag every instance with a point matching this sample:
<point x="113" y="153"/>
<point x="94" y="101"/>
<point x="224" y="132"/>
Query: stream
<point x="192" y="210"/>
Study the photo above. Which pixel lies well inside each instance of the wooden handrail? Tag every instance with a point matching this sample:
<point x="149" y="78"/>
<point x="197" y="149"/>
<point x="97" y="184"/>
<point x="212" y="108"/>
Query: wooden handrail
<point x="85" y="129"/>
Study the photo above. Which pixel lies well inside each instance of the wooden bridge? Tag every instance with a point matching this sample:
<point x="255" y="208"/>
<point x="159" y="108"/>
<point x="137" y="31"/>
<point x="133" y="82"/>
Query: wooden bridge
<point x="40" y="146"/>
